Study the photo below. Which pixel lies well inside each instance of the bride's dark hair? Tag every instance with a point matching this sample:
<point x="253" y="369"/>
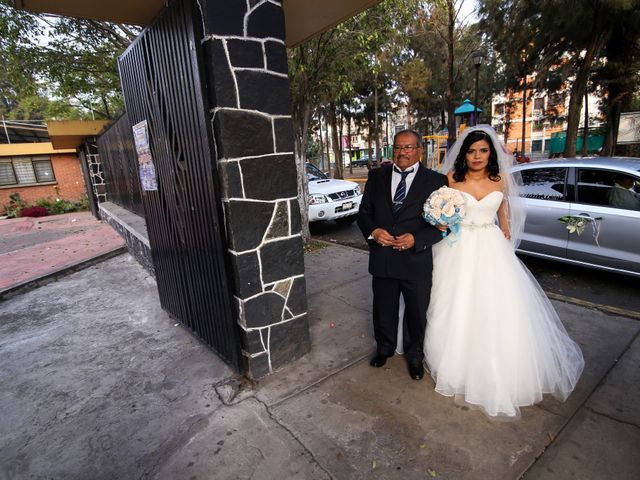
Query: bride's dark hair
<point x="460" y="166"/>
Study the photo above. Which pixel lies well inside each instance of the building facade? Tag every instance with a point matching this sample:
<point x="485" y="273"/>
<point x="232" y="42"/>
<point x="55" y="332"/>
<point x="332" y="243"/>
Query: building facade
<point x="38" y="171"/>
<point x="545" y="116"/>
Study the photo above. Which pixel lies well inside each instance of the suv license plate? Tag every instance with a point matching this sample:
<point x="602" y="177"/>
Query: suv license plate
<point x="347" y="206"/>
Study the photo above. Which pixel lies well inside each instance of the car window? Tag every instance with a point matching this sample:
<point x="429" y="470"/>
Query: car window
<point x="313" y="173"/>
<point x="593" y="186"/>
<point x="608" y="188"/>
<point x="544" y="183"/>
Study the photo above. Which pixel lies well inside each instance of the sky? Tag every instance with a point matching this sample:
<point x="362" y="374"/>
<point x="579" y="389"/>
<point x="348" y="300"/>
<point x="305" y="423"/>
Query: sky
<point x="467" y="12"/>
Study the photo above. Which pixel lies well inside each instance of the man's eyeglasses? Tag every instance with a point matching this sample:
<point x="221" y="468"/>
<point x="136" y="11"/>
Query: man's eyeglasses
<point x="408" y="148"/>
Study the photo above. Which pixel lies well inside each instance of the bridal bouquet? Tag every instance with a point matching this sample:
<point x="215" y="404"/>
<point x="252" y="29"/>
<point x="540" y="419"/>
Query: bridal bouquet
<point x="445" y="206"/>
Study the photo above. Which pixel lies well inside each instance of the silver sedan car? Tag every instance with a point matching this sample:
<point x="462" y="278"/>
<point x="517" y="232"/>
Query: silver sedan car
<point x="584" y="211"/>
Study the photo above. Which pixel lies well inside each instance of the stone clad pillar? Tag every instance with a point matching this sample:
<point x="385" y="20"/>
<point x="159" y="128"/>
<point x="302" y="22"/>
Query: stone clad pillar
<point x="248" y="88"/>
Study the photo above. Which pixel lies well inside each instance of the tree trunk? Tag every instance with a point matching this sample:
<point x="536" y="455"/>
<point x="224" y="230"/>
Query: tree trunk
<point x="451" y="121"/>
<point x="340" y="142"/>
<point x="507" y="119"/>
<point x="349" y="142"/>
<point x="327" y="145"/>
<point x="300" y="145"/>
<point x="321" y="164"/>
<point x="386" y="121"/>
<point x="611" y="135"/>
<point x="578" y="90"/>
<point x="333" y="122"/>
<point x="620" y="91"/>
<point x="614" y="99"/>
<point x="524" y="113"/>
<point x="585" y="130"/>
<point x="375" y="120"/>
<point x="105" y="104"/>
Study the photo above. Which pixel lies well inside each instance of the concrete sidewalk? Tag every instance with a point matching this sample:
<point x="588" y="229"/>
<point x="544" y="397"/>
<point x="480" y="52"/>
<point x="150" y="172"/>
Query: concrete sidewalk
<point x="98" y="382"/>
<point x="34" y="251"/>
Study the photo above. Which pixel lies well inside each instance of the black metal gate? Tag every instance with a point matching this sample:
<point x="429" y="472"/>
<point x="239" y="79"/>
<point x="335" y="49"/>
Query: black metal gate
<point x="162" y="81"/>
<point x="120" y="165"/>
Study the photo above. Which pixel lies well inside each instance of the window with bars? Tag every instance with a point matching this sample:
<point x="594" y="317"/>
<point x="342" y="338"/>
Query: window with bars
<point x="538" y="124"/>
<point x="538" y="103"/>
<point x="536" y="145"/>
<point x="26" y="170"/>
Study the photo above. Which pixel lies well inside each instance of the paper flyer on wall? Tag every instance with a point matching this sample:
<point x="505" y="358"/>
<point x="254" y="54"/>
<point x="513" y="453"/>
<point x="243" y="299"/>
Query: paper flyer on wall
<point x="145" y="160"/>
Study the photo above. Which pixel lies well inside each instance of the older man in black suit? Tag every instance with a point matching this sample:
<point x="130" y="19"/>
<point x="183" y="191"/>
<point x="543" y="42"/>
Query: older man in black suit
<point x="400" y="243"/>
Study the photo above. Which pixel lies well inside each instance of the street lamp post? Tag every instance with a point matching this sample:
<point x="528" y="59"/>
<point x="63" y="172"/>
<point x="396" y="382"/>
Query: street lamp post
<point x="477" y="56"/>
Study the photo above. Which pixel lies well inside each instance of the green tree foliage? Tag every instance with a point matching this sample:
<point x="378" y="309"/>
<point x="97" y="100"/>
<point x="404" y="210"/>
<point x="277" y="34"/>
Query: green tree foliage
<point x="397" y="55"/>
<point x="59" y="67"/>
<point x="619" y="74"/>
<point x="429" y="42"/>
<point x="561" y="41"/>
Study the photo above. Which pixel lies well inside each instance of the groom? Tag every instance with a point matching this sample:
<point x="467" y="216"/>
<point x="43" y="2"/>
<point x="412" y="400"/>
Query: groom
<point x="400" y="243"/>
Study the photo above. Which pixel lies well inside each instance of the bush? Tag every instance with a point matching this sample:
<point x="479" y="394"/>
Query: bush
<point x="83" y="204"/>
<point x="15" y="205"/>
<point x="57" y="206"/>
<point x="18" y="208"/>
<point x="34" y="212"/>
<point x="44" y="202"/>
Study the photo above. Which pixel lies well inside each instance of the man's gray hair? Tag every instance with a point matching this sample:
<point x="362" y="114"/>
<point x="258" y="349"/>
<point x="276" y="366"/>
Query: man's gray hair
<point x="409" y="132"/>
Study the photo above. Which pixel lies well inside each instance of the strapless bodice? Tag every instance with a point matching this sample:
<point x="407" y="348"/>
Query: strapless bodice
<point x="481" y="213"/>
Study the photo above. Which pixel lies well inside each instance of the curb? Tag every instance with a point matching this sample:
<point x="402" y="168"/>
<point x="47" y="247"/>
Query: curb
<point x="595" y="306"/>
<point x="34" y="283"/>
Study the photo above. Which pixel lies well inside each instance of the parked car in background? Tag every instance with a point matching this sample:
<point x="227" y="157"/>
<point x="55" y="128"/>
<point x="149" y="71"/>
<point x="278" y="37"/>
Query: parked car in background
<point x="572" y="216"/>
<point x="364" y="160"/>
<point x="360" y="162"/>
<point x="332" y="199"/>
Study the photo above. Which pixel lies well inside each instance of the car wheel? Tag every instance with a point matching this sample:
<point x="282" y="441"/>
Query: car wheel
<point x="346" y="220"/>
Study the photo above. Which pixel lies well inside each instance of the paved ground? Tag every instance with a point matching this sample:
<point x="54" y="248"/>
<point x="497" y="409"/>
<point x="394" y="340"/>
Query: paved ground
<point x="41" y="248"/>
<point x="98" y="382"/>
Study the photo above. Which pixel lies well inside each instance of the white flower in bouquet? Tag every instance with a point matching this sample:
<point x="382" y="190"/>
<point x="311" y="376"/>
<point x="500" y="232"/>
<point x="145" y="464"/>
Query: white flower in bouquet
<point x="445" y="206"/>
<point x="449" y="209"/>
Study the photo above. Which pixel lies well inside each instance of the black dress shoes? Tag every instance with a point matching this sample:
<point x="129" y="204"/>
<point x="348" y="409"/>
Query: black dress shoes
<point x="378" y="361"/>
<point x="416" y="371"/>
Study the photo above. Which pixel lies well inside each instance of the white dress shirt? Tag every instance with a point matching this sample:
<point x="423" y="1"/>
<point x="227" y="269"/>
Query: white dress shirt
<point x="395" y="179"/>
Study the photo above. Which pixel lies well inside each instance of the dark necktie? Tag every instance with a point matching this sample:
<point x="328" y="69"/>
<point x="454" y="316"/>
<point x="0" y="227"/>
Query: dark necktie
<point x="401" y="190"/>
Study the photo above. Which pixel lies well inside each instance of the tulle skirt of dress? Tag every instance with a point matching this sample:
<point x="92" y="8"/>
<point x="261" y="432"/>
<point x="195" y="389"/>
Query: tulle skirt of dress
<point x="493" y="339"/>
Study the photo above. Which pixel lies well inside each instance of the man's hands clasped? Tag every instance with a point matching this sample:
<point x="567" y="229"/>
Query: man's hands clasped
<point x="385" y="239"/>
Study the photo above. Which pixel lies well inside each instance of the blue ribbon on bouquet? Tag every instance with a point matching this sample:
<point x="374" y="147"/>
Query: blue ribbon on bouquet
<point x="453" y="236"/>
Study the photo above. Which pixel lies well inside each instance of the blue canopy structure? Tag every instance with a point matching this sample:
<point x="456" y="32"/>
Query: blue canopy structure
<point x="466" y="108"/>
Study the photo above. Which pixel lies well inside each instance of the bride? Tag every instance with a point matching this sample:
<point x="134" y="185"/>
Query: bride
<point x="493" y="339"/>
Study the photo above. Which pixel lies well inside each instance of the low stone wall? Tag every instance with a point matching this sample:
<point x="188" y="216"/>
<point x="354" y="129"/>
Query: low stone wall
<point x="134" y="231"/>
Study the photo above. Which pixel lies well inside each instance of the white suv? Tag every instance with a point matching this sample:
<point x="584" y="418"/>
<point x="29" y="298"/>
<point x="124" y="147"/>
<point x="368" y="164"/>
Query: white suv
<point x="331" y="199"/>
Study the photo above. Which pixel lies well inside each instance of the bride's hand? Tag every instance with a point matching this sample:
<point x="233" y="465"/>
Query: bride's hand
<point x="506" y="234"/>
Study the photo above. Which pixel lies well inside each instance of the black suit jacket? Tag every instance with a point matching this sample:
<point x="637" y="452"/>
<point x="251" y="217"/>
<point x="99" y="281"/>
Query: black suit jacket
<point x="375" y="212"/>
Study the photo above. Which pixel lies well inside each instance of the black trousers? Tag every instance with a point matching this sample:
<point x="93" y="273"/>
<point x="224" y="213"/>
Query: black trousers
<point x="386" y="300"/>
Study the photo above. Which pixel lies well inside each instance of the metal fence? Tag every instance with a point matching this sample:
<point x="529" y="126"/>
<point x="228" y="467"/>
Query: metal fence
<point x="121" y="166"/>
<point x="162" y="82"/>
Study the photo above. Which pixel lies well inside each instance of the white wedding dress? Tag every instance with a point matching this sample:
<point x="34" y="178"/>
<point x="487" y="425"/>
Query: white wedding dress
<point x="493" y="339"/>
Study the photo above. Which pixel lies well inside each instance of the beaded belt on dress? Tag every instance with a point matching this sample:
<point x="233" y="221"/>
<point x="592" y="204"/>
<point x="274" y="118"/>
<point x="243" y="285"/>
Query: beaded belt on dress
<point x="473" y="225"/>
